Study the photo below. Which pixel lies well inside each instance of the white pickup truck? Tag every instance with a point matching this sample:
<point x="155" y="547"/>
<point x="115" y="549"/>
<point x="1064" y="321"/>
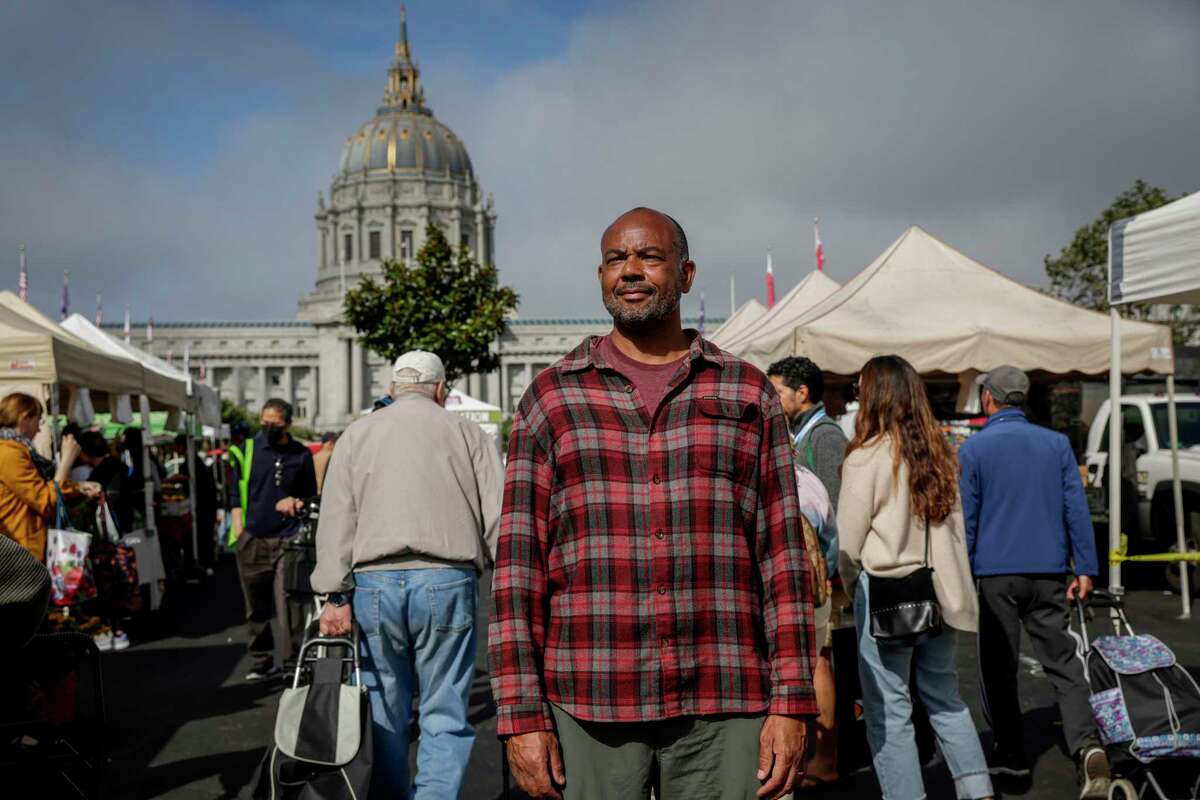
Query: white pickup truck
<point x="1147" y="503"/>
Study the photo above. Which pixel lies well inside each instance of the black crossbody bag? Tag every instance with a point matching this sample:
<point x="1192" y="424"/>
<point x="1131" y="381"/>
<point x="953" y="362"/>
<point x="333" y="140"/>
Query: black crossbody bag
<point x="906" y="610"/>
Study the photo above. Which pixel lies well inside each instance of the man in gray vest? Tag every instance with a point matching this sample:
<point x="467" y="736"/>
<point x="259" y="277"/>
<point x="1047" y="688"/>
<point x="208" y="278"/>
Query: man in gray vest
<point x="820" y="446"/>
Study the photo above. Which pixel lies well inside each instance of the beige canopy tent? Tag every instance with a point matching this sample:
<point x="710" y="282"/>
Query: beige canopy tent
<point x="746" y="315"/>
<point x="948" y="313"/>
<point x="780" y="318"/>
<point x="35" y="354"/>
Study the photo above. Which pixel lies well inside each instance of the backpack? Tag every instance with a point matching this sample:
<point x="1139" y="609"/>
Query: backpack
<point x="818" y="568"/>
<point x="1143" y="699"/>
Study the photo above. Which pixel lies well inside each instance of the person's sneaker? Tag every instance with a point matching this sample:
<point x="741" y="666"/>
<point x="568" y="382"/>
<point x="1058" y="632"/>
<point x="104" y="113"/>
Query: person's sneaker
<point x="1009" y="763"/>
<point x="120" y="640"/>
<point x="104" y="641"/>
<point x="1094" y="774"/>
<point x="262" y="673"/>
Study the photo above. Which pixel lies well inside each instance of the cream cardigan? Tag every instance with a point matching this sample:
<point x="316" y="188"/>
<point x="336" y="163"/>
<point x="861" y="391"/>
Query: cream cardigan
<point x="878" y="532"/>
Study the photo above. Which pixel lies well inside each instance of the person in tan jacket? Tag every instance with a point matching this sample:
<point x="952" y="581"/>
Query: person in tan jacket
<point x="898" y="475"/>
<point x="27" y="493"/>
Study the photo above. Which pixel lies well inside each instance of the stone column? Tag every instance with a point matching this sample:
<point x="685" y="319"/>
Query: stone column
<point x="493" y="387"/>
<point x="235" y="373"/>
<point x="289" y="391"/>
<point x="528" y="376"/>
<point x="356" y="377"/>
<point x="262" y="386"/>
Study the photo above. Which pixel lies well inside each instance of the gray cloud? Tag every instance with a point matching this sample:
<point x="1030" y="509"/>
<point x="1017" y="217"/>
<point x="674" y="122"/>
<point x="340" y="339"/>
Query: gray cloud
<point x="999" y="127"/>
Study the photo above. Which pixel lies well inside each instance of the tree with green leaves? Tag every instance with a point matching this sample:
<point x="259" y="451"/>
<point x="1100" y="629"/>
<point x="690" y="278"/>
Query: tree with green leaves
<point x="1079" y="274"/>
<point x="444" y="302"/>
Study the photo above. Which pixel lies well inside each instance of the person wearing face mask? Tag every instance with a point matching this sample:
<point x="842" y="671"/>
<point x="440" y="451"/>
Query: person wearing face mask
<point x="281" y="478"/>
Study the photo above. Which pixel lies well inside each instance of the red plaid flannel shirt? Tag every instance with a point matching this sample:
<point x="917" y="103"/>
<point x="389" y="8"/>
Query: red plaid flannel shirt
<point x="650" y="568"/>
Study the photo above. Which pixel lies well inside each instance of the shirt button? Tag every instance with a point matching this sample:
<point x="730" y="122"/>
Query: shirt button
<point x="666" y="642"/>
<point x="662" y="590"/>
<point x="658" y="534"/>
<point x="656" y="480"/>
<point x="629" y="388"/>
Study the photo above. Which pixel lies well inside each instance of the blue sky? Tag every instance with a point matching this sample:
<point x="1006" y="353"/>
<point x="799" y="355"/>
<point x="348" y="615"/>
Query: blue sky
<point x="170" y="153"/>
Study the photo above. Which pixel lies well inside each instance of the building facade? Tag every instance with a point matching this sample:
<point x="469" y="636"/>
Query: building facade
<point x="400" y="171"/>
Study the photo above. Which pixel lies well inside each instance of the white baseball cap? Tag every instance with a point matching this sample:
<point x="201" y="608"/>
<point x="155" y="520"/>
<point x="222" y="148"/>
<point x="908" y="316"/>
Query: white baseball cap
<point x="418" y="366"/>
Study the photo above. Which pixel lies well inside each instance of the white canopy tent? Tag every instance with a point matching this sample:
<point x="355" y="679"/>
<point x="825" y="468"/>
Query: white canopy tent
<point x="780" y="318"/>
<point x="165" y="385"/>
<point x="947" y="313"/>
<point x="1152" y="258"/>
<point x="746" y="315"/>
<point x="485" y="415"/>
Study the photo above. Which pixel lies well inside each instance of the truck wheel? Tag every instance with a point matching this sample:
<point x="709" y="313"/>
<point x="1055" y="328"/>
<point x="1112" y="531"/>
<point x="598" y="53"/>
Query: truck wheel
<point x="1173" y="570"/>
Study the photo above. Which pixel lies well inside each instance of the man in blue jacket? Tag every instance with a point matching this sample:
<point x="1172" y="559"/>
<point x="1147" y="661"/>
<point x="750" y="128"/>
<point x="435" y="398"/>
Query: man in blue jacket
<point x="1032" y="549"/>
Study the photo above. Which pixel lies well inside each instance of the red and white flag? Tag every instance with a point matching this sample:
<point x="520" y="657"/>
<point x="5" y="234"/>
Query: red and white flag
<point x="770" y="281"/>
<point x="820" y="248"/>
<point x="23" y="280"/>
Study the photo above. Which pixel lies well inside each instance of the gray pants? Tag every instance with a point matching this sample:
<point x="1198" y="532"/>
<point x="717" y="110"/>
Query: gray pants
<point x="260" y="566"/>
<point x="1006" y="602"/>
<point x="696" y="758"/>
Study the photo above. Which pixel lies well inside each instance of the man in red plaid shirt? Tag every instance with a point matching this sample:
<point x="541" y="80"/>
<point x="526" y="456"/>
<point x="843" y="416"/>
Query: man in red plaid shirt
<point x="653" y="614"/>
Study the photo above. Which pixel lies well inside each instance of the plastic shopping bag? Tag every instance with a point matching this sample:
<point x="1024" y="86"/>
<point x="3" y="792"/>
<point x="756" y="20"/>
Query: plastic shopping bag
<point x="71" y="578"/>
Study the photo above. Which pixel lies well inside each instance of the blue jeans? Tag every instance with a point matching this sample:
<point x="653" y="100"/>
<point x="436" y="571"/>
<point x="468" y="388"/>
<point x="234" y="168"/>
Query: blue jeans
<point x="884" y="670"/>
<point x="419" y="637"/>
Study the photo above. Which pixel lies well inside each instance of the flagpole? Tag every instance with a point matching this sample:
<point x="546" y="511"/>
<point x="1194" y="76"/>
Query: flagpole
<point x="732" y="295"/>
<point x="126" y="323"/>
<point x="23" y="281"/>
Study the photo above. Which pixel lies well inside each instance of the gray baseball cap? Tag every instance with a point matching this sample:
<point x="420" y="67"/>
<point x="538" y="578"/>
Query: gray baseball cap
<point x="418" y="366"/>
<point x="1008" y="385"/>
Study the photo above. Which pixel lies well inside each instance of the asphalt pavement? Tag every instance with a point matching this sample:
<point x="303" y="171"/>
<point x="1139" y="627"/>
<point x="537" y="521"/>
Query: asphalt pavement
<point x="184" y="724"/>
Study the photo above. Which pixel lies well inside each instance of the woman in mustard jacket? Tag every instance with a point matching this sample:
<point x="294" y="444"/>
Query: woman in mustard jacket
<point x="27" y="495"/>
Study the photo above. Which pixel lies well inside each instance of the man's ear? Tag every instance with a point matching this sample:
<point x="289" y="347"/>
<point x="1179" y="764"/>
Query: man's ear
<point x="439" y="393"/>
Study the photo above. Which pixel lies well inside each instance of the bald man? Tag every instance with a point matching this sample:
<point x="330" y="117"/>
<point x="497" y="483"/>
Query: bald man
<point x="653" y="619"/>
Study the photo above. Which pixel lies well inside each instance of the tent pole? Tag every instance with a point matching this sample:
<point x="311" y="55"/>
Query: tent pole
<point x="54" y="401"/>
<point x="148" y="491"/>
<point x="191" y="465"/>
<point x="1185" y="588"/>
<point x="1114" y="450"/>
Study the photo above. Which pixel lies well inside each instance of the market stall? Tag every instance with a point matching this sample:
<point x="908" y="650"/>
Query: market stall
<point x="486" y="415"/>
<point x="811" y="290"/>
<point x="41" y="358"/>
<point x="1152" y="258"/>
<point x="746" y="315"/>
<point x="165" y="386"/>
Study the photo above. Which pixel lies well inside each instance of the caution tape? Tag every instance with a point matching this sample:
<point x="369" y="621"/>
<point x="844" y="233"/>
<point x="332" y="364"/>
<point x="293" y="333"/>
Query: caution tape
<point x="1119" y="556"/>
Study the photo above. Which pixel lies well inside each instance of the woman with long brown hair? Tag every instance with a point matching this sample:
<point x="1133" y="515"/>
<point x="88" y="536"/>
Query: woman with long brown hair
<point x="898" y="511"/>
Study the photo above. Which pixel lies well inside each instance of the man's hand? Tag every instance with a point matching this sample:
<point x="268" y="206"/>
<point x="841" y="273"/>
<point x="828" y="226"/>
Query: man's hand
<point x="289" y="506"/>
<point x="781" y="754"/>
<point x="89" y="488"/>
<point x="1081" y="587"/>
<point x="536" y="764"/>
<point x="335" y="620"/>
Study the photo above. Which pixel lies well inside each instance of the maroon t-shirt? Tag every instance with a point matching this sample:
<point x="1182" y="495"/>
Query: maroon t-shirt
<point x="650" y="380"/>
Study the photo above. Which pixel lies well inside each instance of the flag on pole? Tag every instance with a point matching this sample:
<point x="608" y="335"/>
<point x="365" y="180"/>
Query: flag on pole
<point x="65" y="310"/>
<point x="23" y="281"/>
<point x="732" y="296"/>
<point x="99" y="309"/>
<point x="150" y="331"/>
<point x="820" y="248"/>
<point x="126" y="324"/>
<point x="701" y="327"/>
<point x="770" y="281"/>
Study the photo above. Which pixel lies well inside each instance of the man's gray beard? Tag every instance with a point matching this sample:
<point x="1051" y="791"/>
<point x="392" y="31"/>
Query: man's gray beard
<point x="660" y="307"/>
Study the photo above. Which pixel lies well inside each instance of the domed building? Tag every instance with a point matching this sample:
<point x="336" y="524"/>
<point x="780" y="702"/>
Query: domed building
<point x="398" y="172"/>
